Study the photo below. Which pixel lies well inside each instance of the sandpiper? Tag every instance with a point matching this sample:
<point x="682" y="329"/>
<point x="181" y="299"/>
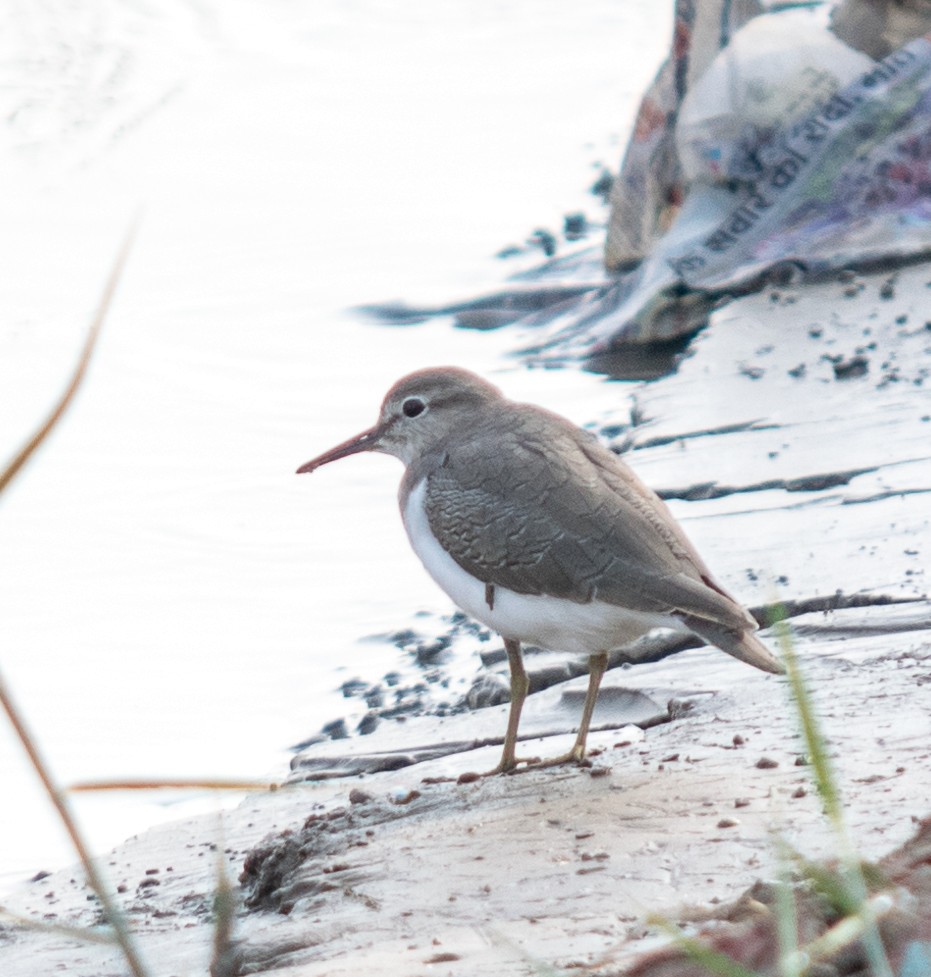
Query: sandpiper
<point x="543" y="534"/>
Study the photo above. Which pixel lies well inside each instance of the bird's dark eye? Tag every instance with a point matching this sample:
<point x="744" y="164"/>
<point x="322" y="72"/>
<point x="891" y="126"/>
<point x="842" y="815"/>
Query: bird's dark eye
<point x="413" y="406"/>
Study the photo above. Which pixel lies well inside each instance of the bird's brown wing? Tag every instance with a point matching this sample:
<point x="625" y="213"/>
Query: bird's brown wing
<point x="553" y="512"/>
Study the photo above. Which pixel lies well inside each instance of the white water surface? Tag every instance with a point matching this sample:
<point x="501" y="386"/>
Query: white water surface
<point x="174" y="601"/>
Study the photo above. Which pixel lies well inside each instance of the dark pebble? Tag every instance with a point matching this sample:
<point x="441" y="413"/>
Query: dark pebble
<point x="401" y="639"/>
<point x="487" y="690"/>
<point x="766" y="763"/>
<point x="544" y="239"/>
<point x="575" y="226"/>
<point x="850" y="368"/>
<point x="367" y="724"/>
<point x="602" y="186"/>
<point x="336" y="729"/>
<point x="427" y="652"/>
<point x="352" y="687"/>
<point x="494" y="657"/>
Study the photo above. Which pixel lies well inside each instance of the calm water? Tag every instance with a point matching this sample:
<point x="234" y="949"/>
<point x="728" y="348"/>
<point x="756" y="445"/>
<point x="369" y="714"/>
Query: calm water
<point x="173" y="600"/>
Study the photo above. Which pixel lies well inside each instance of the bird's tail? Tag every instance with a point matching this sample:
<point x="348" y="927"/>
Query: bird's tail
<point x="744" y="645"/>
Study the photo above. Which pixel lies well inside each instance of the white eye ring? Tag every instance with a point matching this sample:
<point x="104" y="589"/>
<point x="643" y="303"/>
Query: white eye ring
<point x="413" y="406"/>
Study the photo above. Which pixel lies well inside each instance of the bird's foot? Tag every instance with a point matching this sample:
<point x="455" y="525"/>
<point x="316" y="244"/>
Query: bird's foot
<point x="526" y="764"/>
<point x="513" y="765"/>
<point x="576" y="755"/>
<point x="506" y="765"/>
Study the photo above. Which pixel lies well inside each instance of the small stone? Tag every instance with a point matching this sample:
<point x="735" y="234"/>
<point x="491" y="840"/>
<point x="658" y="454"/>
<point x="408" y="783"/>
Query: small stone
<point x="367" y="724"/>
<point x="852" y="367"/>
<point x="359" y="796"/>
<point x="488" y="690"/>
<point x="728" y="823"/>
<point x="742" y="802"/>
<point x="469" y="777"/>
<point x="602" y="186"/>
<point x="800" y="792"/>
<point x="766" y="763"/>
<point x="336" y="729"/>
<point x="428" y="651"/>
<point x="544" y="239"/>
<point x="352" y="687"/>
<point x="738" y="740"/>
<point x="575" y="226"/>
<point x="402" y="798"/>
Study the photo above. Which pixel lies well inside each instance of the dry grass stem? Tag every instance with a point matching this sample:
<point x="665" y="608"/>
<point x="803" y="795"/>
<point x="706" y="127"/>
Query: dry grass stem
<point x="58" y="797"/>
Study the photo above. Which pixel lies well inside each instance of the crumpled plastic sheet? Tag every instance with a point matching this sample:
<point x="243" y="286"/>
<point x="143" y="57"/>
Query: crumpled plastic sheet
<point x="845" y="185"/>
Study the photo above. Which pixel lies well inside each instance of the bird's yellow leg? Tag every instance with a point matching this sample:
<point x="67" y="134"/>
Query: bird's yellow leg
<point x="519" y="687"/>
<point x="597" y="665"/>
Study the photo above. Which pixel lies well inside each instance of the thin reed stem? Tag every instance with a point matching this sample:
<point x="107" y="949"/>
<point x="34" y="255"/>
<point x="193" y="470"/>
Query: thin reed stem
<point x="58" y="797"/>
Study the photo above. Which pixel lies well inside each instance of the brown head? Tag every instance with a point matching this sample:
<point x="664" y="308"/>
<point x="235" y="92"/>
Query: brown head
<point x="418" y="415"/>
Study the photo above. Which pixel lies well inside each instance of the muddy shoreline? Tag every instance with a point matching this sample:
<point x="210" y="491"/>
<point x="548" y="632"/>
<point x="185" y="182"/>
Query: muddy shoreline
<point x="792" y="477"/>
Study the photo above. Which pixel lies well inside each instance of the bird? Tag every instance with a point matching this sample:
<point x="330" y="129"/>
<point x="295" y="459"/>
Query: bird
<point x="540" y="532"/>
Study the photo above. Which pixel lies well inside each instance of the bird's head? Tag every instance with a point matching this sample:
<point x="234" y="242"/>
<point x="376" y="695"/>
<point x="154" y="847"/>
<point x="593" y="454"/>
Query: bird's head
<point x="419" y="414"/>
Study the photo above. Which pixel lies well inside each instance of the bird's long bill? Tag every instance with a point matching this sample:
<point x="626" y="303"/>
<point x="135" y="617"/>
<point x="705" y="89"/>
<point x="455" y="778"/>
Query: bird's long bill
<point x="361" y="442"/>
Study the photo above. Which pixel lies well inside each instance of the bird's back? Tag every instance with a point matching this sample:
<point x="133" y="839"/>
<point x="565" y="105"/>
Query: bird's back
<point x="586" y="527"/>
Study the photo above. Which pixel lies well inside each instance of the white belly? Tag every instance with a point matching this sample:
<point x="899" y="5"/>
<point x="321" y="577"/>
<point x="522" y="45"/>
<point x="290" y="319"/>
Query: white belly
<point x="549" y="622"/>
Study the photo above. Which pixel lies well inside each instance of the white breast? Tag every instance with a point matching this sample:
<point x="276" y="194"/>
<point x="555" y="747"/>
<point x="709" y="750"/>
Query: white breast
<point x="548" y="622"/>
